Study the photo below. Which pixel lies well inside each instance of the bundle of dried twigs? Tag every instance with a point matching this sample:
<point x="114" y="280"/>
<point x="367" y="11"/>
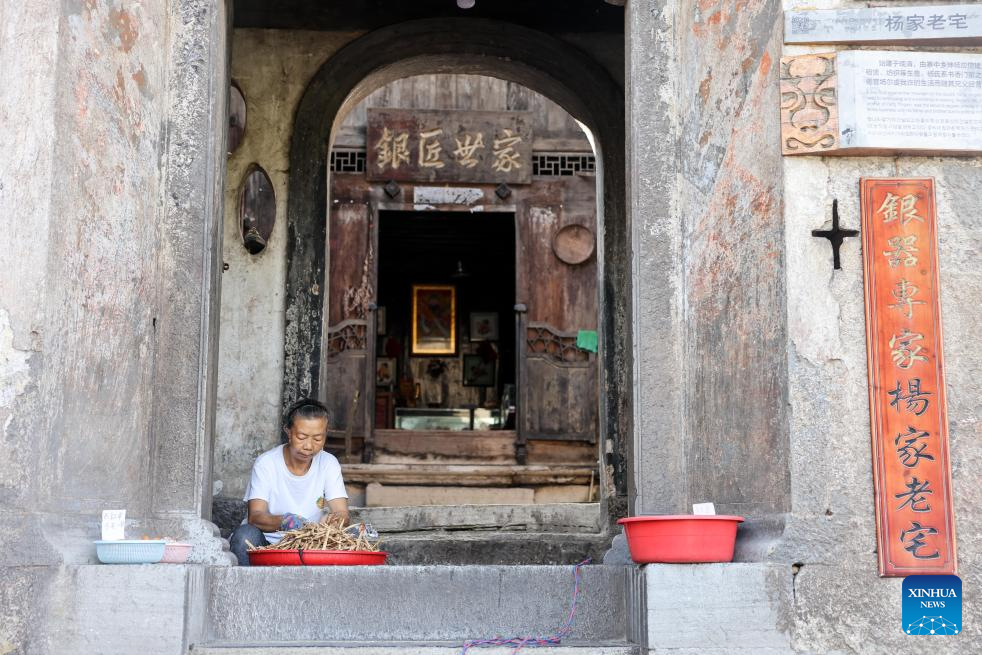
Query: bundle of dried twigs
<point x="324" y="536"/>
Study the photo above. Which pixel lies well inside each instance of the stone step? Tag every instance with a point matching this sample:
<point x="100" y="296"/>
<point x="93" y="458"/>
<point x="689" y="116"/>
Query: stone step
<point x="290" y="605"/>
<point x="494" y="548"/>
<point x="362" y="648"/>
<point x="556" y="517"/>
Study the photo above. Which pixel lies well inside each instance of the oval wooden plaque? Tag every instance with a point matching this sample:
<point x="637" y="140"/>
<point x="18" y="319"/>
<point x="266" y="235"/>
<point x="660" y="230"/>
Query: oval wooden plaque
<point x="257" y="209"/>
<point x="573" y="244"/>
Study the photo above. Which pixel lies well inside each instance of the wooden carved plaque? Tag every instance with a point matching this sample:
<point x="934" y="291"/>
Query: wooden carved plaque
<point x="423" y="145"/>
<point x="809" y="111"/>
<point x="908" y="421"/>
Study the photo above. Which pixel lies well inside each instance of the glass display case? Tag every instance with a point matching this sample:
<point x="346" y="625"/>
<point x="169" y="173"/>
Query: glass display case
<point x="455" y="419"/>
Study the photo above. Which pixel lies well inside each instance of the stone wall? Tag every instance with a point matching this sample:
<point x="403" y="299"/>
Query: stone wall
<point x="108" y="208"/>
<point x="706" y="204"/>
<point x="83" y="208"/>
<point x="832" y="530"/>
<point x="832" y="524"/>
<point x="766" y="343"/>
<point x="272" y="68"/>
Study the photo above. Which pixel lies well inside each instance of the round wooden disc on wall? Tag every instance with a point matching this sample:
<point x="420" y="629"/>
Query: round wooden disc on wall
<point x="236" y="117"/>
<point x="573" y="244"/>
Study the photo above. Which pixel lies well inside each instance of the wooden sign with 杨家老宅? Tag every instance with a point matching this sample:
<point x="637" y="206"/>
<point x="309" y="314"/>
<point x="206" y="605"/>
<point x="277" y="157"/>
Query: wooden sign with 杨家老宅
<point x="915" y="526"/>
<point x="861" y="102"/>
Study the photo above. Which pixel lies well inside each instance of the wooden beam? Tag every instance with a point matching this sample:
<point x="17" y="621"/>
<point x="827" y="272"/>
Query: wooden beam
<point x="480" y="444"/>
<point x="466" y="475"/>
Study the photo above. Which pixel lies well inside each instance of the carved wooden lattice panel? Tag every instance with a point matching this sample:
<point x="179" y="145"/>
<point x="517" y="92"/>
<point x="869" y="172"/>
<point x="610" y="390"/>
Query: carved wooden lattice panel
<point x="345" y="374"/>
<point x="347" y="336"/>
<point x="559" y="346"/>
<point x="561" y="394"/>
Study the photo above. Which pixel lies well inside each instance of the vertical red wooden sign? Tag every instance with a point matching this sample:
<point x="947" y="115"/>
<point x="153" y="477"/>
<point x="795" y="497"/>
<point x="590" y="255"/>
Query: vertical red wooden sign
<point x="911" y="470"/>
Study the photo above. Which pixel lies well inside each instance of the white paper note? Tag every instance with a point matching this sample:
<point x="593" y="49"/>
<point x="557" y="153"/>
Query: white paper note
<point x="113" y="524"/>
<point x="704" y="509"/>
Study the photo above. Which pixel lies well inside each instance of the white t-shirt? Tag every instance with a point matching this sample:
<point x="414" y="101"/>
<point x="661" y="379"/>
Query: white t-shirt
<point x="297" y="494"/>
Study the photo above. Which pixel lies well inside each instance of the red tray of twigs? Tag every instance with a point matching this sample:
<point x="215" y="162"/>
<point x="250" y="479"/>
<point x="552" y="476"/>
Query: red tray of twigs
<point x="320" y="544"/>
<point x="272" y="557"/>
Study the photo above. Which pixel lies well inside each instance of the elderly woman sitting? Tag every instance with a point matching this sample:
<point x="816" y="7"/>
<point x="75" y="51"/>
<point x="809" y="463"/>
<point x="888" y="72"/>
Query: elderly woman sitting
<point x="292" y="484"/>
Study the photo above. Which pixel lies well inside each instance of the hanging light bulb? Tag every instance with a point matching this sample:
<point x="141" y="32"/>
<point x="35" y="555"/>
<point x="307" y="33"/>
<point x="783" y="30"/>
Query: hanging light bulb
<point x="460" y="272"/>
<point x="466" y="4"/>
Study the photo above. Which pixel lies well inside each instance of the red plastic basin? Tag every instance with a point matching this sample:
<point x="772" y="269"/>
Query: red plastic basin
<point x="681" y="539"/>
<point x="316" y="557"/>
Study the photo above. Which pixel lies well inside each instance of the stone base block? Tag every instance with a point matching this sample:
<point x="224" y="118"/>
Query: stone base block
<point x="412" y="603"/>
<point x="100" y="609"/>
<point x="717" y="608"/>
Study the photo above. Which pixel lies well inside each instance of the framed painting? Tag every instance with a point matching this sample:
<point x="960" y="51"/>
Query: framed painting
<point x="380" y="321"/>
<point x="484" y="326"/>
<point x="477" y="372"/>
<point x="434" y="319"/>
<point x="385" y="371"/>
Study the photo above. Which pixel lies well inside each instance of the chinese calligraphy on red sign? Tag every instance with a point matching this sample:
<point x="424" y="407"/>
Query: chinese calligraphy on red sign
<point x="911" y="470"/>
<point x="409" y="145"/>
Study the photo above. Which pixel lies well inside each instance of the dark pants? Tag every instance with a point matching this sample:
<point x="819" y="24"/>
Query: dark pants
<point x="241" y="534"/>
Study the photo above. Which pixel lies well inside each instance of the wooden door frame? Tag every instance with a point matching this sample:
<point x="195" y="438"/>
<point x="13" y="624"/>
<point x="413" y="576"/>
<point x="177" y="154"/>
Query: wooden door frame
<point x="375" y="210"/>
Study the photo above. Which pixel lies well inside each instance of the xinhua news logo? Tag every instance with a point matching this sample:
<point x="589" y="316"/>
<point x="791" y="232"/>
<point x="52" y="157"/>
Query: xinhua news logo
<point x="932" y="605"/>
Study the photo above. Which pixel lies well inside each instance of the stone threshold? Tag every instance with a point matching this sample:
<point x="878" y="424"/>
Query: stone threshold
<point x="557" y="517"/>
<point x="405" y="648"/>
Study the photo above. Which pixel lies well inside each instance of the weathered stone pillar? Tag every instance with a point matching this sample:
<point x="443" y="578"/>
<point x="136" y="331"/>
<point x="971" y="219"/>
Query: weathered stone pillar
<point x="706" y="203"/>
<point x="659" y="467"/>
<point x="111" y="208"/>
<point x="189" y="267"/>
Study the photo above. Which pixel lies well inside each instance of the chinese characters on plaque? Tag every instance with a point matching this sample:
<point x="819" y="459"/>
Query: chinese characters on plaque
<point x="941" y="24"/>
<point x="908" y="420"/>
<point x="416" y="145"/>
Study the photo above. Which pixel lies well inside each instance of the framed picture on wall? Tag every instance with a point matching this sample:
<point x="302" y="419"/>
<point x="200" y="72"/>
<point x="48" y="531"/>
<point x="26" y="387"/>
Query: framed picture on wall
<point x="484" y="326"/>
<point x="434" y="319"/>
<point x="385" y="371"/>
<point x="380" y="321"/>
<point x="477" y="372"/>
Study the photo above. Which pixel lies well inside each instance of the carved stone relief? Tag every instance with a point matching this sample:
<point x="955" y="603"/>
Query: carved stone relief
<point x="809" y="109"/>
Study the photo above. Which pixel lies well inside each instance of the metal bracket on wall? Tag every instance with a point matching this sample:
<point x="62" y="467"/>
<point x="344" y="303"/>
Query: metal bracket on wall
<point x="835" y="235"/>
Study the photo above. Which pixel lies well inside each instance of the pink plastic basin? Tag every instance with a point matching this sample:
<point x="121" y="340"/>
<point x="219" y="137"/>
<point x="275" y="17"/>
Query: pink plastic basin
<point x="175" y="553"/>
<point x="681" y="538"/>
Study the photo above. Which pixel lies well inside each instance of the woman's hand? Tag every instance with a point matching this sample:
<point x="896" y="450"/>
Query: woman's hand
<point x="292" y="521"/>
<point x="337" y="511"/>
<point x="341" y="518"/>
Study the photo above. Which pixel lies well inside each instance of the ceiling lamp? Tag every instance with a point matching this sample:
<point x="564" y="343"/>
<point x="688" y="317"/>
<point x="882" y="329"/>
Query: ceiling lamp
<point x="460" y="272"/>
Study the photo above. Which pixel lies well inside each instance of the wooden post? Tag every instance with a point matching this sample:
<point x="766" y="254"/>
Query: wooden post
<point x="521" y="350"/>
<point x="371" y="335"/>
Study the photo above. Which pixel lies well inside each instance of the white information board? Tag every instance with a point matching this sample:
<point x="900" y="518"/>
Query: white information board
<point x="910" y="101"/>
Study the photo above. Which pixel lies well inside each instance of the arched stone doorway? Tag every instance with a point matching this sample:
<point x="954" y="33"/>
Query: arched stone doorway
<point x="472" y="46"/>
